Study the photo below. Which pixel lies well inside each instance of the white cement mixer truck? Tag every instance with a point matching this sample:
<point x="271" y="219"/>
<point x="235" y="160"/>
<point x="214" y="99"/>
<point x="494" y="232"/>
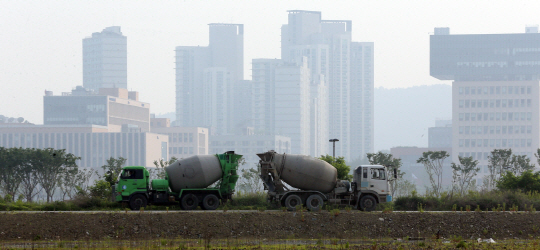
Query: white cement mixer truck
<point x="314" y="182"/>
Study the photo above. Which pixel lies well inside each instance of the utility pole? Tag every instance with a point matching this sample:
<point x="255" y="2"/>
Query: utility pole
<point x="333" y="141"/>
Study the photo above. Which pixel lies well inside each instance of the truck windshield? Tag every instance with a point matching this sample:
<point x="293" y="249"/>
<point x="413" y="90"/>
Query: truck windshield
<point x="131" y="174"/>
<point x="378" y="174"/>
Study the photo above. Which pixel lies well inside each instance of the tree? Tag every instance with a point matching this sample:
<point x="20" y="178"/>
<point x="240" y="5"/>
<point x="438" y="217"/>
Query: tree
<point x="112" y="169"/>
<point x="11" y="163"/>
<point x="390" y="163"/>
<point x="526" y="182"/>
<point x="433" y="162"/>
<point x="339" y="163"/>
<point x="537" y="154"/>
<point x="74" y="182"/>
<point x="520" y="164"/>
<point x="404" y="188"/>
<point x="251" y="181"/>
<point x="463" y="173"/>
<point x="499" y="162"/>
<point x="51" y="164"/>
<point x="29" y="175"/>
<point x="161" y="164"/>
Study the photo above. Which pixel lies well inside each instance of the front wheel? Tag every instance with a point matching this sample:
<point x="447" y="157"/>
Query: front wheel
<point x="137" y="201"/>
<point x="367" y="203"/>
<point x="189" y="202"/>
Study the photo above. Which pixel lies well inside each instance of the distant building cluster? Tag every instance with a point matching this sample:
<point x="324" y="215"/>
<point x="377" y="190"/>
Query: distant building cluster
<point x="320" y="89"/>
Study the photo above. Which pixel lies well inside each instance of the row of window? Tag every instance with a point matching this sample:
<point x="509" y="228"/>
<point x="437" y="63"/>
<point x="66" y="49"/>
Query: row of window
<point x="466" y="143"/>
<point x="484" y="155"/>
<point x="494" y="130"/>
<point x="177" y="137"/>
<point x="495" y="103"/>
<point x="496" y="116"/>
<point x="495" y="90"/>
<point x="180" y="150"/>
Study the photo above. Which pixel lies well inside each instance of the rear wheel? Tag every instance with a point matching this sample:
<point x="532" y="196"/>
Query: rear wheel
<point x="189" y="202"/>
<point x="210" y="202"/>
<point x="292" y="201"/>
<point x="314" y="202"/>
<point x="137" y="201"/>
<point x="367" y="203"/>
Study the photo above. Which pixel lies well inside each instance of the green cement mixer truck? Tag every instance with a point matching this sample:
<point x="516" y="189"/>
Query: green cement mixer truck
<point x="187" y="181"/>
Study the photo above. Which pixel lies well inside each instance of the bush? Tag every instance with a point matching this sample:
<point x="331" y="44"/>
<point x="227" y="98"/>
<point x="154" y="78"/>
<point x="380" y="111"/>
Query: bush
<point x="525" y="182"/>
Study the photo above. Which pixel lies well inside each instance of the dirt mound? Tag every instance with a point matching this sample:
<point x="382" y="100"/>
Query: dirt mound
<point x="269" y="225"/>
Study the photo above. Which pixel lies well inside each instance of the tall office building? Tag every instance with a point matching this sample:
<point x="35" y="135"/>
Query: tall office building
<point x="362" y="89"/>
<point x="263" y="98"/>
<point x="495" y="91"/>
<point x="105" y="60"/>
<point x="327" y="45"/>
<point x="206" y="78"/>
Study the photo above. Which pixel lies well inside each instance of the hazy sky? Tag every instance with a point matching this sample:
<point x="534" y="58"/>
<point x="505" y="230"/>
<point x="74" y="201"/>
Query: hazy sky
<point x="41" y="41"/>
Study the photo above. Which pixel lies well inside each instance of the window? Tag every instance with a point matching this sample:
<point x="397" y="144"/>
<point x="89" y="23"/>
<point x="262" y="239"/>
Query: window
<point x="479" y="103"/>
<point x="491" y="129"/>
<point x="467" y="90"/>
<point x="485" y="90"/>
<point x="460" y="129"/>
<point x="528" y="103"/>
<point x="529" y="129"/>
<point x="497" y="90"/>
<point x="461" y="116"/>
<point x="132" y="174"/>
<point x="529" y="116"/>
<point x="504" y="115"/>
<point x="528" y="89"/>
<point x="467" y="102"/>
<point x="485" y="116"/>
<point x="503" y="89"/>
<point x="461" y="103"/>
<point x="522" y="103"/>
<point x="461" y="90"/>
<point x="378" y="174"/>
<point x="473" y="104"/>
<point x="504" y="142"/>
<point x="491" y="103"/>
<point x="467" y="141"/>
<point x="504" y="129"/>
<point x="491" y="90"/>
<point x="491" y="116"/>
<point x="479" y="142"/>
<point x="485" y="103"/>
<point x="467" y="129"/>
<point x="510" y="90"/>
<point x="364" y="173"/>
<point x="510" y="129"/>
<point x="460" y="143"/>
<point x="504" y="101"/>
<point x="510" y="103"/>
<point x="467" y="116"/>
<point x="498" y="103"/>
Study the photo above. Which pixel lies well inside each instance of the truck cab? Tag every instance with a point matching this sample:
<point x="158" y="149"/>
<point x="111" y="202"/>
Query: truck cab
<point x="132" y="186"/>
<point x="371" y="185"/>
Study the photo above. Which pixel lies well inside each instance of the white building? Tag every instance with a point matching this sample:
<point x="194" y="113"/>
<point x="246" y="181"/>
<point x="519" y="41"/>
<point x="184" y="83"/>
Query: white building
<point x="362" y="88"/>
<point x="105" y="60"/>
<point x="206" y="79"/>
<point x="327" y="45"/>
<point x="292" y="105"/>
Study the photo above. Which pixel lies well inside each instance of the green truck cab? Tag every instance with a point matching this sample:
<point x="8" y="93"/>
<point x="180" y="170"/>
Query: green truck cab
<point x="135" y="188"/>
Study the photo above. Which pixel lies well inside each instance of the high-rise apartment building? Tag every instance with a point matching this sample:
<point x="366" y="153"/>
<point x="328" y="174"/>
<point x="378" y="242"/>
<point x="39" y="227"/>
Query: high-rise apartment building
<point x="495" y="91"/>
<point x="362" y="88"/>
<point x="328" y="46"/>
<point x="105" y="60"/>
<point x="206" y="78"/>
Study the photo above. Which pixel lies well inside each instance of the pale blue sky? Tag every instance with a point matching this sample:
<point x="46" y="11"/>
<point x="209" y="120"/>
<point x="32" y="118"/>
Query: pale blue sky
<point x="41" y="41"/>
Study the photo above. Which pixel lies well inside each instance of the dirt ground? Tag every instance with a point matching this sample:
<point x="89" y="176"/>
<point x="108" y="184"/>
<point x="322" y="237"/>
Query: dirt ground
<point x="267" y="225"/>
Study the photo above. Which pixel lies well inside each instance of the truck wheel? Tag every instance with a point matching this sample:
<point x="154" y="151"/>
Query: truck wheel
<point x="314" y="202"/>
<point x="367" y="203"/>
<point x="292" y="201"/>
<point x="189" y="202"/>
<point x="137" y="201"/>
<point x="210" y="202"/>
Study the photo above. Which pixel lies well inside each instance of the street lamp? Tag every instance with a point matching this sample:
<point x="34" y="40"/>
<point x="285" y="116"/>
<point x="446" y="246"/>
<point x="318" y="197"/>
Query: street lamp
<point x="333" y="141"/>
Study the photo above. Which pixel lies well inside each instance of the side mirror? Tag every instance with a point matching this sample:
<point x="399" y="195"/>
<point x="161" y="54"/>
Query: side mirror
<point x="395" y="173"/>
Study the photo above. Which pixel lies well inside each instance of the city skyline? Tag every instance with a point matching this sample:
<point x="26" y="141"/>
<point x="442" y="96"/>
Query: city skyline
<point x="71" y="67"/>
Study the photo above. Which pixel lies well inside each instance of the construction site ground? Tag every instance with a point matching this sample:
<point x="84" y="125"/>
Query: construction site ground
<point x="268" y="225"/>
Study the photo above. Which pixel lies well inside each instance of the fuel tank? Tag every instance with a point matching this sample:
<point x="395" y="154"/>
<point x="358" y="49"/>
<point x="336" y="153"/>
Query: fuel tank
<point x="198" y="171"/>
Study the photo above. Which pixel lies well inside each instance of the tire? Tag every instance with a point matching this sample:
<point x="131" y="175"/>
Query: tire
<point x="137" y="201"/>
<point x="189" y="202"/>
<point x="292" y="201"/>
<point x="314" y="202"/>
<point x="367" y="203"/>
<point x="210" y="202"/>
